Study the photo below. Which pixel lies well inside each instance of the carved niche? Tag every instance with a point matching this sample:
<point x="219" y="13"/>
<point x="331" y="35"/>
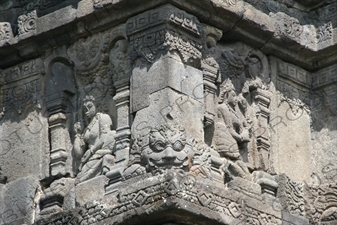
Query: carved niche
<point x="94" y="146"/>
<point x="242" y="112"/>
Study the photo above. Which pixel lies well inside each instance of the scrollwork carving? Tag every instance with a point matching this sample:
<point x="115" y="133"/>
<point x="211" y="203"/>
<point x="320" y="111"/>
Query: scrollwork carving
<point x="324" y="32"/>
<point x="27" y="22"/>
<point x="321" y="203"/>
<point x="287" y="26"/>
<point x="5" y="32"/>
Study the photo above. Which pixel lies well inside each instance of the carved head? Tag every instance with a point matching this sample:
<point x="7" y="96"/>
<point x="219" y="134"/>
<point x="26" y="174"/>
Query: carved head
<point x="227" y="93"/>
<point x="254" y="66"/>
<point x="89" y="106"/>
<point x="167" y="148"/>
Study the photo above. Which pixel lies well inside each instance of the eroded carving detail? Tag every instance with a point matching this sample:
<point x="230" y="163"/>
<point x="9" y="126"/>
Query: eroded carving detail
<point x="27" y="22"/>
<point x="287" y="26"/>
<point x="163" y="36"/>
<point x="231" y="131"/>
<point x="291" y="195"/>
<point x="321" y="203"/>
<point x="94" y="147"/>
<point x="21" y="86"/>
<point x="324" y="32"/>
<point x="5" y="32"/>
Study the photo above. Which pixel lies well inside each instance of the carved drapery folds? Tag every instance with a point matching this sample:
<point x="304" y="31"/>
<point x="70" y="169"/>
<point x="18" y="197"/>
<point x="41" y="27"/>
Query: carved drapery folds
<point x="241" y="78"/>
<point x="94" y="147"/>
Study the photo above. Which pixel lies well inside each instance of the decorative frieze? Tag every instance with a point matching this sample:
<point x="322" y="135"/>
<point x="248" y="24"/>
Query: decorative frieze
<point x="21" y="86"/>
<point x="27" y="23"/>
<point x="6" y="33"/>
<point x="167" y="30"/>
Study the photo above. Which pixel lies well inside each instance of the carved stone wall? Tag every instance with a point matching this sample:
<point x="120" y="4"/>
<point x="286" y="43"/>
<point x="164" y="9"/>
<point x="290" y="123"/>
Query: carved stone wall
<point x="168" y="112"/>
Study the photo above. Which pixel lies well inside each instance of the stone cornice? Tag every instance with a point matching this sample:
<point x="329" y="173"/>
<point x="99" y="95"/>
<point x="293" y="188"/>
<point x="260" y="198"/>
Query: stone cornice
<point x="307" y="39"/>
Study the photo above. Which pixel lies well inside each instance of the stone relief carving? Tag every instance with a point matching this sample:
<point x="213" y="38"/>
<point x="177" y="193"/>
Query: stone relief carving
<point x="324" y="32"/>
<point x="21" y="86"/>
<point x="167" y="147"/>
<point x="163" y="38"/>
<point x="211" y="70"/>
<point x="164" y="148"/>
<point x="295" y="93"/>
<point x="291" y="195"/>
<point x="94" y="147"/>
<point x="5" y="32"/>
<point x="241" y="127"/>
<point x="27" y="22"/>
<point x="287" y="26"/>
<point x="231" y="130"/>
<point x="120" y="63"/>
<point x="321" y="203"/>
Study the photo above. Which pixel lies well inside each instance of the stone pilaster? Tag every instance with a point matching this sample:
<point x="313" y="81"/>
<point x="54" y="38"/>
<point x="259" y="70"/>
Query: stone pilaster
<point x="262" y="100"/>
<point x="121" y="71"/>
<point x="166" y="82"/>
<point x="58" y="149"/>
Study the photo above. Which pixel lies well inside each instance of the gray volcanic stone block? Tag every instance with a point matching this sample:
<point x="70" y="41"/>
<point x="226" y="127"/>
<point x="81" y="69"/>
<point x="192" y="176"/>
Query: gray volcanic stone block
<point x="19" y="201"/>
<point x="168" y="112"/>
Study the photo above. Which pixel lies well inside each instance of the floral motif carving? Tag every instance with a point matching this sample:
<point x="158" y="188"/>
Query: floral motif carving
<point x="150" y="45"/>
<point x="163" y="36"/>
<point x="5" y="32"/>
<point x="287" y="26"/>
<point x="321" y="203"/>
<point x="27" y="22"/>
<point x="324" y="32"/>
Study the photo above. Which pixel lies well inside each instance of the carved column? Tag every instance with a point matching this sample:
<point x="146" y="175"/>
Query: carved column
<point x="58" y="150"/>
<point x="60" y="88"/>
<point x="121" y="79"/>
<point x="210" y="69"/>
<point x="262" y="100"/>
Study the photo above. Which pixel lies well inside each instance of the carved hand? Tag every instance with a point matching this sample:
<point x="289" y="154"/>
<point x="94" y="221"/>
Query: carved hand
<point x="245" y="136"/>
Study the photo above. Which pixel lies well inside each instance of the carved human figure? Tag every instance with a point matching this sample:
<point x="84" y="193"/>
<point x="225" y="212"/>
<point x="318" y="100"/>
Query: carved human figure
<point x="95" y="145"/>
<point x="231" y="129"/>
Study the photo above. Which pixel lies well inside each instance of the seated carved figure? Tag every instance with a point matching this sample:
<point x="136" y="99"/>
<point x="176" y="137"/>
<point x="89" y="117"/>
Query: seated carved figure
<point x="231" y="130"/>
<point x="95" y="145"/>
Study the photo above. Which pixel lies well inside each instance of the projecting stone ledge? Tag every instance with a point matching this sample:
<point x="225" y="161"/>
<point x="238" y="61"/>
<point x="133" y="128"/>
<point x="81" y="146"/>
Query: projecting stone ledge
<point x="266" y="25"/>
<point x="177" y="196"/>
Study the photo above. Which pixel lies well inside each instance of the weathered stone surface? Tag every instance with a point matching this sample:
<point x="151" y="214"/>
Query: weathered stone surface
<point x="168" y="112"/>
<point x="19" y="201"/>
<point x="90" y="191"/>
